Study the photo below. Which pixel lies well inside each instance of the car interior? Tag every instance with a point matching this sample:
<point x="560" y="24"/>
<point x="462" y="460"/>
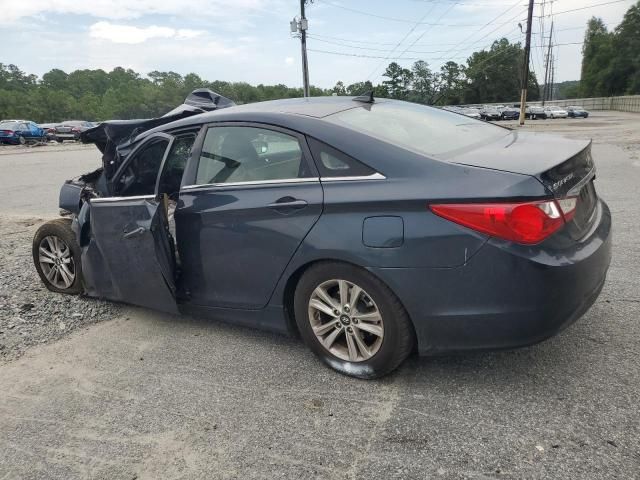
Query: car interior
<point x="140" y="175"/>
<point x="243" y="154"/>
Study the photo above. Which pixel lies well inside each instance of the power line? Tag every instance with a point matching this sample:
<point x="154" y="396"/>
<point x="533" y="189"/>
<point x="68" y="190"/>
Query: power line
<point x="362" y="55"/>
<point x="471" y="3"/>
<point x="313" y="37"/>
<point x="426" y="31"/>
<point x="368" y="42"/>
<point x="487" y="24"/>
<point x="589" y="6"/>
<point x="394" y="19"/>
<point x="411" y="30"/>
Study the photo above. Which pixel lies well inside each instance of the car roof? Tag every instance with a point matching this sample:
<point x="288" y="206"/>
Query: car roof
<point x="311" y="108"/>
<point x="317" y="107"/>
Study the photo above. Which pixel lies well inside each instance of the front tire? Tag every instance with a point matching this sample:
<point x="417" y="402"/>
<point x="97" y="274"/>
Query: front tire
<point x="352" y="321"/>
<point x="56" y="256"/>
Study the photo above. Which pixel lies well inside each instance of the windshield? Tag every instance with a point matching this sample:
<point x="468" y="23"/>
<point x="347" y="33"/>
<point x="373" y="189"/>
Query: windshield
<point x="9" y="126"/>
<point x="422" y="129"/>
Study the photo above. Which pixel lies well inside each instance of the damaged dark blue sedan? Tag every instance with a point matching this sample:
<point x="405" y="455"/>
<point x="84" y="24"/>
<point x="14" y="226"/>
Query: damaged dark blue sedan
<point x="371" y="227"/>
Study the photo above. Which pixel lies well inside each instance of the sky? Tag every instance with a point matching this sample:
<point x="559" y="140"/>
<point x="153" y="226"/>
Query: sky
<point x="250" y="40"/>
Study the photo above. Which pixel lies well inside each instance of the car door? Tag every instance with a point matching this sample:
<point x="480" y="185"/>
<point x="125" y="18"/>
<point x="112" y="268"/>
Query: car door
<point x="24" y="131"/>
<point x="249" y="196"/>
<point x="130" y="256"/>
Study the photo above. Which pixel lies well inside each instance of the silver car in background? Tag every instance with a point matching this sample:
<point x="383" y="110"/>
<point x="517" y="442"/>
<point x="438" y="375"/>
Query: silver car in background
<point x="554" y="111"/>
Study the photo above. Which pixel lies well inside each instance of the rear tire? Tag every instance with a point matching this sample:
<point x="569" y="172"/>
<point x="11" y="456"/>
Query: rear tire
<point x="370" y="338"/>
<point x="56" y="256"/>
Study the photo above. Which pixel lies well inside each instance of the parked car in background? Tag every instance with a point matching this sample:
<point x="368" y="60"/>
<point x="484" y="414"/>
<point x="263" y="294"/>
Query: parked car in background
<point x="453" y="108"/>
<point x="49" y="130"/>
<point x="471" y="112"/>
<point x="577" y="112"/>
<point x="534" y="112"/>
<point x="554" y="111"/>
<point x="71" y="129"/>
<point x="313" y="216"/>
<point x="490" y="113"/>
<point x="19" y="132"/>
<point x="510" y="113"/>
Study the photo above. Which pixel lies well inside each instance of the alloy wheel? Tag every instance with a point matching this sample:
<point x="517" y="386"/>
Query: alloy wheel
<point x="345" y="320"/>
<point x="56" y="262"/>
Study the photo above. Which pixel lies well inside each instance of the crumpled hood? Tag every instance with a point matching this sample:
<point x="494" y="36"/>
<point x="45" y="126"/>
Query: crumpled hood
<point x="114" y="135"/>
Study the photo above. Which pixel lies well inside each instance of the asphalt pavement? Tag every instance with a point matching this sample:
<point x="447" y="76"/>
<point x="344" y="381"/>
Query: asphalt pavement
<point x="149" y="396"/>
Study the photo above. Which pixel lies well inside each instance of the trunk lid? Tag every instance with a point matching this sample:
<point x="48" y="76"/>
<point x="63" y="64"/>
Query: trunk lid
<point x="564" y="166"/>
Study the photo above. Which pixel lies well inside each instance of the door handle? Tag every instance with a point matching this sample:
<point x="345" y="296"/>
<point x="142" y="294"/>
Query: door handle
<point x="134" y="233"/>
<point x="288" y="203"/>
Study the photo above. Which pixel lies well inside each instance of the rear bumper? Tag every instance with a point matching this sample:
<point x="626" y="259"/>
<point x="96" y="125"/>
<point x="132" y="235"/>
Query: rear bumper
<point x="506" y="296"/>
<point x="67" y="136"/>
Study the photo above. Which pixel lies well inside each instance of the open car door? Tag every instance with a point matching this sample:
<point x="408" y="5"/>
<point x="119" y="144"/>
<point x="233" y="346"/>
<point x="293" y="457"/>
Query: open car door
<point x="131" y="256"/>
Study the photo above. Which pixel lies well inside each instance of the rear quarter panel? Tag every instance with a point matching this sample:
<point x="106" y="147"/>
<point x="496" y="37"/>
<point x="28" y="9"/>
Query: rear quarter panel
<point x="429" y="241"/>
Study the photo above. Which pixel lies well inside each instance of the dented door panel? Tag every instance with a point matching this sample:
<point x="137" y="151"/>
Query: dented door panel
<point x="129" y="256"/>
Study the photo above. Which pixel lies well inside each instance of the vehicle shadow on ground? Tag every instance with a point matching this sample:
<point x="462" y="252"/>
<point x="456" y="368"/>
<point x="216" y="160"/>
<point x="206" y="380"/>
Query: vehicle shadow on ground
<point x="549" y="362"/>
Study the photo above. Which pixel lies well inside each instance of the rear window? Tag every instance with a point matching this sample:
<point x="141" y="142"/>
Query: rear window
<point x="422" y="129"/>
<point x="9" y="126"/>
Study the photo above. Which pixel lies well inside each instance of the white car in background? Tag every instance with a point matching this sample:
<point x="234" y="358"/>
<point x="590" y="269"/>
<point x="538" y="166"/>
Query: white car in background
<point x="556" y="112"/>
<point x="471" y="112"/>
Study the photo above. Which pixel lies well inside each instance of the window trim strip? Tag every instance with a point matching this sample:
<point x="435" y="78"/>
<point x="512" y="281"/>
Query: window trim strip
<point x="373" y="176"/>
<point x="116" y="199"/>
<point x="253" y="182"/>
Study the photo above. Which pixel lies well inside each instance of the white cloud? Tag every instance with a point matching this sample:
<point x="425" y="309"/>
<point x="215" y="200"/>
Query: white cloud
<point x="127" y="9"/>
<point x="131" y="35"/>
<point x="189" y="33"/>
<point x="289" y="61"/>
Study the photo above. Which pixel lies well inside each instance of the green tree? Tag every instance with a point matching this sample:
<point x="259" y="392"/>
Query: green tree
<point x="494" y="76"/>
<point x="623" y="74"/>
<point x="451" y="84"/>
<point x="339" y="88"/>
<point x="359" y="88"/>
<point x="596" y="56"/>
<point x="424" y="83"/>
<point x="399" y="81"/>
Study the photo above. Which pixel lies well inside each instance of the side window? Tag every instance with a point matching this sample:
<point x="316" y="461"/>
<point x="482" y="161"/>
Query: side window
<point x="177" y="157"/>
<point x="245" y="154"/>
<point x="334" y="163"/>
<point x="139" y="177"/>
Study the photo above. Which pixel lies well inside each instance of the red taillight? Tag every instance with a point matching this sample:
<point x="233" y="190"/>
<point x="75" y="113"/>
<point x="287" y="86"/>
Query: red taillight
<point x="524" y="222"/>
<point x="7" y="132"/>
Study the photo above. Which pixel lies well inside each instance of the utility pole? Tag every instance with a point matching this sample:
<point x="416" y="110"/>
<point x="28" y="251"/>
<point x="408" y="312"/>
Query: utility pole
<point x="553" y="75"/>
<point x="547" y="76"/>
<point x="304" y="25"/>
<point x="525" y="66"/>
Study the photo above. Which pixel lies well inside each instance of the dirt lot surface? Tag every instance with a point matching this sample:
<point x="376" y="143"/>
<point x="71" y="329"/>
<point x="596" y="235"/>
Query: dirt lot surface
<point x="134" y="394"/>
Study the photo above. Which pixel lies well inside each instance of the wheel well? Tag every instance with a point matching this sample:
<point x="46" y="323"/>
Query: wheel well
<point x="292" y="282"/>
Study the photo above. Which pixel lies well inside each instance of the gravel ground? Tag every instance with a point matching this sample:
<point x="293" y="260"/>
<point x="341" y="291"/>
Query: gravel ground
<point x="44" y="147"/>
<point x="31" y="314"/>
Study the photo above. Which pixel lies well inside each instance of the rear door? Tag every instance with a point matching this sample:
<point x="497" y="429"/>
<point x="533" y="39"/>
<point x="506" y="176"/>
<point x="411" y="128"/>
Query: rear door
<point x="249" y="197"/>
<point x="130" y="256"/>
